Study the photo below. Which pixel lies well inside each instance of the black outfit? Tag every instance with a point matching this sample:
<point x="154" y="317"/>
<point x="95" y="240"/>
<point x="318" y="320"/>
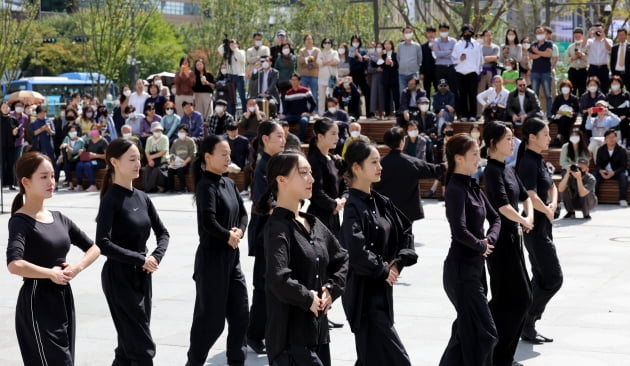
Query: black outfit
<point x="467" y="95"/>
<point x="531" y="105"/>
<point x="427" y="69"/>
<point x="118" y="118"/>
<point x="44" y="315"/>
<point x="350" y="100"/>
<point x="327" y="187"/>
<point x="565" y="123"/>
<point x="358" y="69"/>
<point x="614" y="54"/>
<point x="240" y="150"/>
<point x="473" y="334"/>
<point x="7" y="148"/>
<point x="619" y="104"/>
<point x="509" y="281"/>
<point x="375" y="233"/>
<point x="399" y="182"/>
<point x="546" y="270"/>
<point x="220" y="284"/>
<point x="158" y="104"/>
<point x="255" y="241"/>
<point x="300" y="261"/>
<point x="124" y="222"/>
<point x="588" y="101"/>
<point x="389" y="79"/>
<point x="618" y="163"/>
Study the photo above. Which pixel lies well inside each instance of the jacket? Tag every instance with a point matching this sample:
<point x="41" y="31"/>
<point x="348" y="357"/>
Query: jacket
<point x="618" y="161"/>
<point x="530" y="104"/>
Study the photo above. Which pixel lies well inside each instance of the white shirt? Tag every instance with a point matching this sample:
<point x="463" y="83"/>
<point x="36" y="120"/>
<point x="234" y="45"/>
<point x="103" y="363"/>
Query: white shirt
<point x="521" y="101"/>
<point x="490" y="96"/>
<point x="622" y="49"/>
<point x="597" y="52"/>
<point x="237" y="66"/>
<point x="138" y="100"/>
<point x="474" y="57"/>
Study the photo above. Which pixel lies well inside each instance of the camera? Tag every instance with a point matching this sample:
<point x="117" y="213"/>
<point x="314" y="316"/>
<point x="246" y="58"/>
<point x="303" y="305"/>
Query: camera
<point x="598" y="33"/>
<point x="227" y="51"/>
<point x="574" y="167"/>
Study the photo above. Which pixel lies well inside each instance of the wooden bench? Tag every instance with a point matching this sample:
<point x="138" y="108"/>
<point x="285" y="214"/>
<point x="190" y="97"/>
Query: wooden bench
<point x="608" y="191"/>
<point x="371" y="128"/>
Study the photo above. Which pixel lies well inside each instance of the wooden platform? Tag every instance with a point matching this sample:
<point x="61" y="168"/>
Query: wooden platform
<point x="374" y="129"/>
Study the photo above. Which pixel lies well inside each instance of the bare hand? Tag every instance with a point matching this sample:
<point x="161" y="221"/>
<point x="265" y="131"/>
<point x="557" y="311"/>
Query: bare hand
<point x="316" y="302"/>
<point x="57" y="276"/>
<point x="235" y="238"/>
<point x="489" y="248"/>
<point x="150" y="264"/>
<point x="326" y="300"/>
<point x="550" y="213"/>
<point x="406" y="116"/>
<point x="528" y="225"/>
<point x="392" y="278"/>
<point x="15" y="131"/>
<point x="150" y="163"/>
<point x="70" y="270"/>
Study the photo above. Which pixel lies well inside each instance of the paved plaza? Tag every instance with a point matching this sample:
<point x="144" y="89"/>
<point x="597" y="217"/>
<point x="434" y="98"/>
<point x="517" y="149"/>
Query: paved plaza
<point x="589" y="318"/>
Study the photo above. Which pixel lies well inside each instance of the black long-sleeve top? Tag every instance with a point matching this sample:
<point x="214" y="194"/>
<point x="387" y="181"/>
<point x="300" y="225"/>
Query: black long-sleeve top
<point x="257" y="221"/>
<point x="298" y="262"/>
<point x="375" y="233"/>
<point x="7" y="124"/>
<point x="503" y="187"/>
<point x="533" y="172"/>
<point x="327" y="186"/>
<point x="219" y="209"/>
<point x="44" y="244"/>
<point x="619" y="104"/>
<point x="572" y="102"/>
<point x="467" y="207"/>
<point x="618" y="161"/>
<point x="124" y="222"/>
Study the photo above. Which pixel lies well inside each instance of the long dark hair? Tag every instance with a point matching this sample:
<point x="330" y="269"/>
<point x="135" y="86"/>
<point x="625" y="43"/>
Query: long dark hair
<point x="115" y="149"/>
<point x="280" y="165"/>
<point x="459" y="144"/>
<point x="582" y="149"/>
<point x="356" y="152"/>
<point x="321" y="126"/>
<point x="531" y="127"/>
<point x="25" y="168"/>
<point x="493" y="132"/>
<point x="207" y="146"/>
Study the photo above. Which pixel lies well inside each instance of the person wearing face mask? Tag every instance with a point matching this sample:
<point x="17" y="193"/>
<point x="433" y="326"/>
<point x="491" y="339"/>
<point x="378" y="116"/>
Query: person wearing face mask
<point x="540" y="53"/>
<point x="70" y="147"/>
<point x="327" y="60"/>
<point x="577" y="190"/>
<point x="87" y="119"/>
<point x="409" y="100"/>
<point x="170" y="121"/>
<point x="156" y="99"/>
<point x="355" y="134"/>
<point x="359" y="60"/>
<point x="183" y="150"/>
<point x="619" y="103"/>
<point x="275" y="51"/>
<point x="9" y="129"/>
<point x="343" y="67"/>
<point x="525" y="66"/>
<point x="253" y="56"/>
<point x="119" y="116"/>
<point x="443" y="50"/>
<point x="598" y="48"/>
<point x="578" y="62"/>
<point x="136" y="121"/>
<point x="157" y="156"/>
<point x="377" y="86"/>
<point x="600" y="121"/>
<point x="347" y="93"/>
<point x="264" y="85"/>
<point x="574" y="150"/>
<point x="564" y="112"/>
<point x="334" y="112"/>
<point x="409" y="59"/>
<point x="589" y="99"/>
<point x="251" y="119"/>
<point x="510" y="74"/>
<point x="183" y="83"/>
<point x="125" y="133"/>
<point x="426" y="120"/>
<point x="220" y="119"/>
<point x="417" y="144"/>
<point x="91" y="159"/>
<point x="444" y="104"/>
<point x="104" y="120"/>
<point x="469" y="62"/>
<point x="286" y="64"/>
<point x="388" y="63"/>
<point x="17" y="112"/>
<point x="511" y="48"/>
<point x="308" y="67"/>
<point x="42" y="132"/>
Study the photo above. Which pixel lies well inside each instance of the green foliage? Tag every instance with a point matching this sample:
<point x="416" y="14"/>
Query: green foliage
<point x="16" y="36"/>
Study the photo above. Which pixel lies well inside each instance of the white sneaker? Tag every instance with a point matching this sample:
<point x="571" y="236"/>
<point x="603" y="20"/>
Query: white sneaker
<point x="91" y="188"/>
<point x="623" y="203"/>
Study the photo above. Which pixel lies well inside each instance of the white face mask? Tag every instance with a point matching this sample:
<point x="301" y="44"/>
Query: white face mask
<point x="371" y="51"/>
<point x="72" y="134"/>
<point x="615" y="87"/>
<point x="286" y="51"/>
<point x="181" y="135"/>
<point x="526" y="46"/>
<point x="174" y="91"/>
<point x="355" y="134"/>
<point x="169" y="112"/>
<point x="127" y="93"/>
<point x="88" y="114"/>
<point x="511" y="37"/>
<point x="444" y="34"/>
<point x="158" y="83"/>
<point x="355" y="44"/>
<point x="332" y="110"/>
<point x="94" y="108"/>
<point x="508" y="68"/>
<point x="62" y="114"/>
<point x="412" y="133"/>
<point x="19" y="109"/>
<point x="424" y="107"/>
<point x="132" y="115"/>
<point x="157" y="134"/>
<point x="592" y="89"/>
<point x="565" y="90"/>
<point x="257" y="43"/>
<point x="327" y="46"/>
<point x="540" y="37"/>
<point x="265" y="65"/>
<point x="379" y="49"/>
<point x="408" y="35"/>
<point x="475" y="135"/>
<point x="574" y="139"/>
<point x="341" y="51"/>
<point x="251" y="109"/>
<point x="126" y="136"/>
<point x="218" y="109"/>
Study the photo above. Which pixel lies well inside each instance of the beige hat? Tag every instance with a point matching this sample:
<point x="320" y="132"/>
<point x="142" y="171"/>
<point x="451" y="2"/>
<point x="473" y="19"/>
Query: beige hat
<point x="156" y="126"/>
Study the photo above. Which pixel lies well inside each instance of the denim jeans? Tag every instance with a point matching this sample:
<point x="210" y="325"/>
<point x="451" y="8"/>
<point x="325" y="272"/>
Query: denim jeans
<point x="302" y="120"/>
<point x="543" y="78"/>
<point x="85" y="166"/>
<point x="311" y="83"/>
<point x="239" y="84"/>
<point x="403" y="79"/>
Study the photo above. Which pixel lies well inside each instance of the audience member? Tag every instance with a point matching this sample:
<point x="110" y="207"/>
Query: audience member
<point x="183" y="150"/>
<point x="251" y="119"/>
<point x="299" y="103"/>
<point x="220" y="119"/>
<point x="564" y="112"/>
<point x="239" y="146"/>
<point x="156" y="153"/>
<point x="577" y="189"/>
<point x="522" y="104"/>
<point x="611" y="161"/>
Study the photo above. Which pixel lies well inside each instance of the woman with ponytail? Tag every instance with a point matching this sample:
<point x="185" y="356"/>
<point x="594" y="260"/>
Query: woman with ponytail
<point x="124" y="222"/>
<point x="546" y="270"/>
<point x="473" y="333"/>
<point x="39" y="241"/>
<point x="271" y="140"/>
<point x="219" y="281"/>
<point x="306" y="268"/>
<point x="326" y="202"/>
<point x="380" y="243"/>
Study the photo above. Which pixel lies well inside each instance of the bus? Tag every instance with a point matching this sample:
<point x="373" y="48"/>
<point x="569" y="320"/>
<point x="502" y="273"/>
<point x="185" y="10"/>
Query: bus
<point x="58" y="89"/>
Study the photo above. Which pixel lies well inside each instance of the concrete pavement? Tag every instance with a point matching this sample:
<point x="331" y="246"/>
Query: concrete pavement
<point x="589" y="318"/>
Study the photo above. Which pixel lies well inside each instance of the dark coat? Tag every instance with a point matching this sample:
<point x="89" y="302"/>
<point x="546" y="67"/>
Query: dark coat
<point x="618" y="161"/>
<point x="531" y="105"/>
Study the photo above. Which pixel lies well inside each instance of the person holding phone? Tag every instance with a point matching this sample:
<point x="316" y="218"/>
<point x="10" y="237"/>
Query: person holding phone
<point x="598" y="48"/>
<point x="42" y="132"/>
<point x="600" y="120"/>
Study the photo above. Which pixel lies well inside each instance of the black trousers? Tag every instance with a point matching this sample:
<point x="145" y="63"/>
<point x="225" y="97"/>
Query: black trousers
<point x="392" y="92"/>
<point x="304" y="356"/>
<point x="546" y="271"/>
<point x="377" y="341"/>
<point x="565" y="125"/>
<point x="8" y="164"/>
<point x="181" y="174"/>
<point x="429" y="82"/>
<point x="221" y="295"/>
<point x="359" y="79"/>
<point x="448" y="73"/>
<point x="602" y="74"/>
<point x="467" y="100"/>
<point x="577" y="77"/>
<point x="128" y="292"/>
<point x="45" y="324"/>
<point x="473" y="333"/>
<point x="258" y="311"/>
<point x="511" y="293"/>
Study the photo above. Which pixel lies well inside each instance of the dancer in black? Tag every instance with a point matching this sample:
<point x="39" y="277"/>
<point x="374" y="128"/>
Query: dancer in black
<point x="220" y="284"/>
<point x="473" y="334"/>
<point x="546" y="270"/>
<point x="306" y="268"/>
<point x="38" y="243"/>
<point x="125" y="219"/>
<point x="380" y="244"/>
<point x="509" y="281"/>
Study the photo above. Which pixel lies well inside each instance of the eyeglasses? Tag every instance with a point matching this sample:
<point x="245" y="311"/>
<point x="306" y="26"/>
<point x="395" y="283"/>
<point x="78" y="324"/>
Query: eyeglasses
<point x="327" y="43"/>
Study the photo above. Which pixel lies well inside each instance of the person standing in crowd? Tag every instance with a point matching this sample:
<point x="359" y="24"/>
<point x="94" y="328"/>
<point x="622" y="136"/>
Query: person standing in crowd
<point x="275" y="51"/>
<point x="124" y="222"/>
<point x="389" y="78"/>
<point x="306" y="267"/>
<point x="409" y="59"/>
<point x="473" y="334"/>
<point x="156" y="99"/>
<point x="427" y="69"/>
<point x="253" y="55"/>
<point x="328" y="188"/>
<point x="444" y="64"/>
<point x="378" y="98"/>
<point x="620" y="56"/>
<point x="546" y="272"/>
<point x="577" y="60"/>
<point x="540" y="53"/>
<point x="598" y="49"/>
<point x="271" y="141"/>
<point x="468" y="64"/>
<point x="286" y="64"/>
<point x="573" y="150"/>
<point x="564" y="112"/>
<point x="219" y="281"/>
<point x="327" y="61"/>
<point x="578" y="190"/>
<point x="23" y="120"/>
<point x="119" y="116"/>
<point x="525" y="67"/>
<point x="380" y="243"/>
<point x="105" y="123"/>
<point x="184" y="83"/>
<point x="401" y="172"/>
<point x="619" y="104"/>
<point x="235" y="71"/>
<point x="299" y="104"/>
<point x="9" y="129"/>
<point x="39" y="241"/>
<point x="183" y="150"/>
<point x="203" y="88"/>
<point x="509" y="281"/>
<point x="308" y="69"/>
<point x="138" y="98"/>
<point x="512" y="48"/>
<point x="220" y="119"/>
<point x="555" y="56"/>
<point x="490" y="53"/>
<point x="358" y="60"/>
<point x="611" y="162"/>
<point x="42" y="132"/>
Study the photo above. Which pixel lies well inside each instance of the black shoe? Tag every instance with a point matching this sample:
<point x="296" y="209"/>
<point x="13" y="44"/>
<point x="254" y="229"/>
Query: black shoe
<point x="587" y="217"/>
<point x="332" y="324"/>
<point x="514" y="363"/>
<point x="430" y="193"/>
<point x="257" y="346"/>
<point x="532" y="336"/>
<point x="569" y="215"/>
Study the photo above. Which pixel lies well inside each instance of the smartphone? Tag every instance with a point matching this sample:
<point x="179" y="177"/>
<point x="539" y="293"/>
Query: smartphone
<point x="597" y="109"/>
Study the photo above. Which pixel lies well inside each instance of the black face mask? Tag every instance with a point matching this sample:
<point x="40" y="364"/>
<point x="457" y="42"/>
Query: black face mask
<point x="70" y="118"/>
<point x="448" y="133"/>
<point x="443" y="90"/>
<point x="467" y="37"/>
